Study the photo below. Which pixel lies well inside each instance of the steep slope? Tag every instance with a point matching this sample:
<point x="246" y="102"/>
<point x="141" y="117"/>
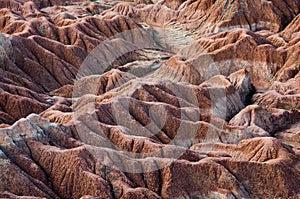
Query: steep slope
<point x="149" y="99"/>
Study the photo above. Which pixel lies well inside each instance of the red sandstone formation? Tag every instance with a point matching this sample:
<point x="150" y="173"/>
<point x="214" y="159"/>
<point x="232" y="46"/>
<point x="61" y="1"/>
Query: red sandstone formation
<point x="149" y="99"/>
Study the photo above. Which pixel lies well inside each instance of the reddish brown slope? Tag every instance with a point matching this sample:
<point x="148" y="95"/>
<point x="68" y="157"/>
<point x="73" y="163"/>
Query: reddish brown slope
<point x="41" y="56"/>
<point x="195" y="99"/>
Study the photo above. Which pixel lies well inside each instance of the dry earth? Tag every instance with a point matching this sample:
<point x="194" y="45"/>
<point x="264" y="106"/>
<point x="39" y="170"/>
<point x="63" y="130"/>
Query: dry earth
<point x="149" y="99"/>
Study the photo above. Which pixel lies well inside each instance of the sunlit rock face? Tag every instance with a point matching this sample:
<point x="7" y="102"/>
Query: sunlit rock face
<point x="149" y="99"/>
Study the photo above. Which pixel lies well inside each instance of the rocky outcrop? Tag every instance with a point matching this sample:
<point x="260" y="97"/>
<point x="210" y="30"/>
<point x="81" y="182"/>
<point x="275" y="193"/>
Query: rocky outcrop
<point x="70" y="166"/>
<point x="217" y="16"/>
<point x="149" y="99"/>
<point x="39" y="55"/>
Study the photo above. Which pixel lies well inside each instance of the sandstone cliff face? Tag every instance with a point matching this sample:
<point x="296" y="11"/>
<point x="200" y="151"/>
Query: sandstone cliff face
<point x="149" y="99"/>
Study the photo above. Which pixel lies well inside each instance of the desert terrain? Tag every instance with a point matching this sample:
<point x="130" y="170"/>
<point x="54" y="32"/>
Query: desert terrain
<point x="149" y="99"/>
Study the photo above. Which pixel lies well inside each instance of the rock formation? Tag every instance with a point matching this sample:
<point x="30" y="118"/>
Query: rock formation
<point x="149" y="99"/>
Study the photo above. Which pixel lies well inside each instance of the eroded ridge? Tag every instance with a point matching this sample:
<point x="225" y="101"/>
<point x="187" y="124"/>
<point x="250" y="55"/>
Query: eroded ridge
<point x="149" y="99"/>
